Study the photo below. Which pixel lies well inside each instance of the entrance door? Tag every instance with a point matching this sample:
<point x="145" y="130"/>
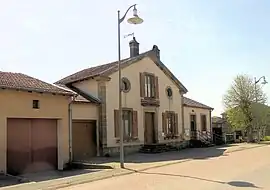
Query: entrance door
<point x="84" y="140"/>
<point x="149" y="135"/>
<point x="193" y="127"/>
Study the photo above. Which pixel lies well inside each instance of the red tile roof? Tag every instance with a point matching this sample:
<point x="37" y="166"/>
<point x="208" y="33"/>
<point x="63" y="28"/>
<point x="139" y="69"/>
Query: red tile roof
<point x="109" y="68"/>
<point x="193" y="103"/>
<point x="99" y="70"/>
<point x="21" y="81"/>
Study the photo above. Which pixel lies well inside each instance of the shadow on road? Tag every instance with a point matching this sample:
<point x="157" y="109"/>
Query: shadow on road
<point x="8" y="180"/>
<point x="243" y="184"/>
<point x="191" y="153"/>
<point x="231" y="183"/>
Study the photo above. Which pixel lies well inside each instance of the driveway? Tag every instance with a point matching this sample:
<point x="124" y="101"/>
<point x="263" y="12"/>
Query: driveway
<point x="247" y="169"/>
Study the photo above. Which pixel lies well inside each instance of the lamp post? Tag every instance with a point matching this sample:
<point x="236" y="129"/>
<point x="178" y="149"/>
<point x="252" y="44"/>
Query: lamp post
<point x="255" y="85"/>
<point x="134" y="20"/>
<point x="256" y="99"/>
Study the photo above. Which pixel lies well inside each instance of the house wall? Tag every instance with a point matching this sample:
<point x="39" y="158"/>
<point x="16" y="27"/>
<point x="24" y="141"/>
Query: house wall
<point x="88" y="86"/>
<point x="16" y="104"/>
<point x="132" y="99"/>
<point x="84" y="111"/>
<point x="198" y="111"/>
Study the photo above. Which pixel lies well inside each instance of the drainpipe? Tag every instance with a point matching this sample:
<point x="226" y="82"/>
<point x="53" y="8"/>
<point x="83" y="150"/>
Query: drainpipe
<point x="183" y="118"/>
<point x="70" y="128"/>
<point x="210" y="120"/>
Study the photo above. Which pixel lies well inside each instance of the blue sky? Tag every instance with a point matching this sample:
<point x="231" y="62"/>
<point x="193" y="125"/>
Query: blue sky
<point x="205" y="43"/>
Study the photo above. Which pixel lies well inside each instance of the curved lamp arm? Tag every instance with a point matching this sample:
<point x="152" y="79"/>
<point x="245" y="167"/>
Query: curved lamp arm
<point x="122" y="19"/>
<point x="256" y="81"/>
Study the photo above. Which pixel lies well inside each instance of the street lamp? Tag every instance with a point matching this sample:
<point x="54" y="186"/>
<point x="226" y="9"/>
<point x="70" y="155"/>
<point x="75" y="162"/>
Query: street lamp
<point x="255" y="85"/>
<point x="134" y="20"/>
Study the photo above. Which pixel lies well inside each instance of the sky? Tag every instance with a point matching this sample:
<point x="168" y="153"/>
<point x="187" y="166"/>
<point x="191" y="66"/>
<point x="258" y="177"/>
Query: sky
<point x="204" y="43"/>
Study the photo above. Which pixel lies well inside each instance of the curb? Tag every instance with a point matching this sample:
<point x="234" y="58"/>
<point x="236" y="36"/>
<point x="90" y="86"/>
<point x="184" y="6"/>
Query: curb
<point x="247" y="148"/>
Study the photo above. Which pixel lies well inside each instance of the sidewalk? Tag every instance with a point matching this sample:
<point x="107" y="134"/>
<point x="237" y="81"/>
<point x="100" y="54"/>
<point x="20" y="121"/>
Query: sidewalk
<point x="137" y="162"/>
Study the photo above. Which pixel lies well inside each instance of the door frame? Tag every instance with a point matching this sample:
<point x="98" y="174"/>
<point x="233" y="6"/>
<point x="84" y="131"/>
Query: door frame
<point x="155" y="128"/>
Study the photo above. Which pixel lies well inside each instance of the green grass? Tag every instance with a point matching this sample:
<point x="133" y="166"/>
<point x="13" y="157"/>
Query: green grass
<point x="266" y="138"/>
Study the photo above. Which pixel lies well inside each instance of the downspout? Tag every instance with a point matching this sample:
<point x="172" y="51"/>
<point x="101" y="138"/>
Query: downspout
<point x="70" y="128"/>
<point x="183" y="118"/>
<point x="210" y="120"/>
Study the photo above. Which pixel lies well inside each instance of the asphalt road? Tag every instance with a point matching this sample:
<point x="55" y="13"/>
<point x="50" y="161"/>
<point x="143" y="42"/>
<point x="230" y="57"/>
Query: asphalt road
<point x="247" y="169"/>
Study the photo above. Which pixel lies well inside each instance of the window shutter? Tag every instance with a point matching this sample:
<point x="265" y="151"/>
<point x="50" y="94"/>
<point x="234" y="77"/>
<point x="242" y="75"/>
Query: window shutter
<point x="201" y="122"/>
<point x="142" y="85"/>
<point x="172" y="116"/>
<point x="164" y="123"/>
<point x="176" y="123"/>
<point x="116" y="123"/>
<point x="135" y="124"/>
<point x="156" y="88"/>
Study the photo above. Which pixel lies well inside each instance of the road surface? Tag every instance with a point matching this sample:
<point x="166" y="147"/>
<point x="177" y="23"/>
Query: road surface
<point x="247" y="169"/>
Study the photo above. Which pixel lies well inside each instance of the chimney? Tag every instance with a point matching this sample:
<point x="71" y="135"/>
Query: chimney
<point x="134" y="47"/>
<point x="156" y="51"/>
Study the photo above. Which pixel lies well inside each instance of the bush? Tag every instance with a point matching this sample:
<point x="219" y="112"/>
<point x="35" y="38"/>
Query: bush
<point x="266" y="138"/>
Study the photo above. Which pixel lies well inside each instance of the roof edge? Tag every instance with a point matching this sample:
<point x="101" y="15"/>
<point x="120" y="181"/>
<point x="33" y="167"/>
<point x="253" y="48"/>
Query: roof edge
<point x="207" y="108"/>
<point x="124" y="63"/>
<point x="89" y="97"/>
<point x="37" y="91"/>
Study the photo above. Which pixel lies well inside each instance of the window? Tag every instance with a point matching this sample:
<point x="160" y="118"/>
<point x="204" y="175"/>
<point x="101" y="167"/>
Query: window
<point x="170" y="123"/>
<point x="169" y="92"/>
<point x="126" y="85"/>
<point x="36" y="104"/>
<point x="149" y="86"/>
<point x="203" y="122"/>
<point x="127" y="123"/>
<point x="193" y="123"/>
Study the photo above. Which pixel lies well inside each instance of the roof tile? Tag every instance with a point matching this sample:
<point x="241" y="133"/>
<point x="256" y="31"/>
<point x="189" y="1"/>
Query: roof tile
<point x="193" y="103"/>
<point x="107" y="69"/>
<point x="97" y="70"/>
<point x="21" y="81"/>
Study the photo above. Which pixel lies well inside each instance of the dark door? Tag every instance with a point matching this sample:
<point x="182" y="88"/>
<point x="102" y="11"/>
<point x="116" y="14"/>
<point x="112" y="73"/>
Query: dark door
<point x="44" y="144"/>
<point x="149" y="135"/>
<point x="84" y="140"/>
<point x="31" y="145"/>
<point x="18" y="145"/>
<point x="193" y="127"/>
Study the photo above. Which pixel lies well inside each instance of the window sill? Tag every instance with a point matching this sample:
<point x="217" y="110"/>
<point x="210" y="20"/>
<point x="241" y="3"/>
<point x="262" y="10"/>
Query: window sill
<point x="150" y="102"/>
<point x="169" y="137"/>
<point x="128" y="140"/>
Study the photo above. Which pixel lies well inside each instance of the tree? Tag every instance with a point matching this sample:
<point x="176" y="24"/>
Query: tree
<point x="261" y="118"/>
<point x="241" y="103"/>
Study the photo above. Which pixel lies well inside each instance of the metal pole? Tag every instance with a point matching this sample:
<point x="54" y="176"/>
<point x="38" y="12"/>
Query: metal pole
<point x="120" y="99"/>
<point x="256" y="100"/>
<point x="255" y="90"/>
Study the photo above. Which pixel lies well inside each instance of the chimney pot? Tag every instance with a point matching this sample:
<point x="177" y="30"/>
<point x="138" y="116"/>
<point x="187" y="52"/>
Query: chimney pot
<point x="157" y="51"/>
<point x="134" y="47"/>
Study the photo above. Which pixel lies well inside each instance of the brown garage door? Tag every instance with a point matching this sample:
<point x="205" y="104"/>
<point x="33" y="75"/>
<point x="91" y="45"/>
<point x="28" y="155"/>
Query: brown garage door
<point x="31" y="145"/>
<point x="83" y="140"/>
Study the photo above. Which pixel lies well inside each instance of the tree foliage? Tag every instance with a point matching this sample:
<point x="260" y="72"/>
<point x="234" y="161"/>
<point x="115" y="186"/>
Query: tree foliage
<point x="245" y="104"/>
